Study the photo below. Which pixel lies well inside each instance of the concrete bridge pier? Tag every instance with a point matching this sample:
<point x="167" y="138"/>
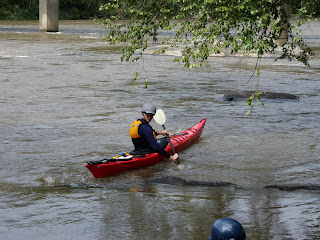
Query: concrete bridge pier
<point x="49" y="15"/>
<point x="284" y="36"/>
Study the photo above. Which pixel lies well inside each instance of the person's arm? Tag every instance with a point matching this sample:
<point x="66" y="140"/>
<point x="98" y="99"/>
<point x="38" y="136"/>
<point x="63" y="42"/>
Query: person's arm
<point x="163" y="132"/>
<point x="147" y="132"/>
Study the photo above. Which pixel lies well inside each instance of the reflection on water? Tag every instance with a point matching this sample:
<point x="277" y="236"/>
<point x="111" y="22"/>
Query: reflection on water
<point x="66" y="99"/>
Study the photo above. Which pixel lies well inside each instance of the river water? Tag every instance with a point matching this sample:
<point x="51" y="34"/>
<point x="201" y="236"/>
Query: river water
<point x="66" y="98"/>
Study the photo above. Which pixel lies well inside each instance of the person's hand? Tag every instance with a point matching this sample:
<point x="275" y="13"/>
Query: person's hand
<point x="175" y="158"/>
<point x="163" y="132"/>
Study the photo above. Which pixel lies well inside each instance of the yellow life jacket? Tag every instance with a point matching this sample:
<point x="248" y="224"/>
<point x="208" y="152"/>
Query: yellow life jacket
<point x="134" y="127"/>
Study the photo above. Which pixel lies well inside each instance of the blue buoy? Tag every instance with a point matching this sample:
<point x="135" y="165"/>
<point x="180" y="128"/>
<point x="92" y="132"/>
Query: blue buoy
<point x="227" y="229"/>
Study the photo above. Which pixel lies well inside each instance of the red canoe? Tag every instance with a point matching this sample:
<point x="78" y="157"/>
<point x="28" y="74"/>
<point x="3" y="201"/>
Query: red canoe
<point x="180" y="141"/>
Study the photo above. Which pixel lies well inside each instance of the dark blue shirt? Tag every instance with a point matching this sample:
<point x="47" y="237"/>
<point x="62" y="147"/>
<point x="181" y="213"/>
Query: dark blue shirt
<point x="146" y="132"/>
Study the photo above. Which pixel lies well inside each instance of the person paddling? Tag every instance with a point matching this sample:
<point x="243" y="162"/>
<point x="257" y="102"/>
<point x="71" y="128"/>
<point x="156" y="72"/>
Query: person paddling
<point x="144" y="136"/>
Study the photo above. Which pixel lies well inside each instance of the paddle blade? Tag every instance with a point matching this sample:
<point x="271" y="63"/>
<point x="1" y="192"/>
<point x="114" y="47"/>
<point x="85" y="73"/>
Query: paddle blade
<point x="160" y="117"/>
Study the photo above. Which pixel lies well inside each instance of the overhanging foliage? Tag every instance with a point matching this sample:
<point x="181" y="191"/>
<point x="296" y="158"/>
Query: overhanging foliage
<point x="203" y="27"/>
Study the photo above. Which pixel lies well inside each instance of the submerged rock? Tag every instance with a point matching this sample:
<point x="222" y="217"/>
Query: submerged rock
<point x="292" y="187"/>
<point x="236" y="96"/>
<point x="185" y="182"/>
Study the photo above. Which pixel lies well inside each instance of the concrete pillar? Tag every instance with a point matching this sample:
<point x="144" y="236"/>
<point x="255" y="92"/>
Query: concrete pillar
<point x="49" y="15"/>
<point x="284" y="34"/>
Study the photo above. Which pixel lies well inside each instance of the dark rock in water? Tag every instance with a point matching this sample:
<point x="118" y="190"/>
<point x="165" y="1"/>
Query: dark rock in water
<point x="184" y="182"/>
<point x="294" y="187"/>
<point x="78" y="185"/>
<point x="237" y="96"/>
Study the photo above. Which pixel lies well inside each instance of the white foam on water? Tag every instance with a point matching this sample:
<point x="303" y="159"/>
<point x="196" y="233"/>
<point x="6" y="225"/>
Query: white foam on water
<point x="50" y="180"/>
<point x="181" y="167"/>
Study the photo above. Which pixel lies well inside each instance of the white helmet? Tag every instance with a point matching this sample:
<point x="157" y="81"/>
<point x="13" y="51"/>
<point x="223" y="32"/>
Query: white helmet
<point x="149" y="108"/>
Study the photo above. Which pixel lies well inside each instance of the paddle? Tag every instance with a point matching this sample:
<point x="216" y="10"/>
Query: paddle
<point x="160" y="118"/>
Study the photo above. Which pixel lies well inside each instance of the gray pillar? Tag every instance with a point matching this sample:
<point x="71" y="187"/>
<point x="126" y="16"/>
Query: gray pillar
<point x="284" y="34"/>
<point x="49" y="15"/>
